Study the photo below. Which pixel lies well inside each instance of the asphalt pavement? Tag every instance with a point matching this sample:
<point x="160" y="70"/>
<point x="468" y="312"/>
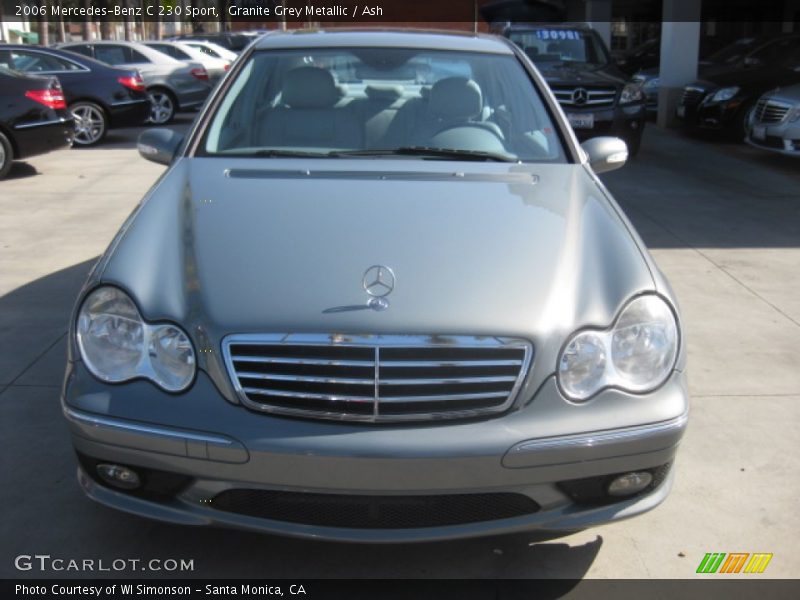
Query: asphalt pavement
<point x="723" y="222"/>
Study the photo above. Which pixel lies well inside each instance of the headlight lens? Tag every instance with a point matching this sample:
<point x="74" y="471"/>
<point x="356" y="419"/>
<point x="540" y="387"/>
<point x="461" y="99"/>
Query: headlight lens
<point x="117" y="344"/>
<point x="652" y="84"/>
<point x="724" y="94"/>
<point x="632" y="92"/>
<point x="794" y="115"/>
<point x="636" y="354"/>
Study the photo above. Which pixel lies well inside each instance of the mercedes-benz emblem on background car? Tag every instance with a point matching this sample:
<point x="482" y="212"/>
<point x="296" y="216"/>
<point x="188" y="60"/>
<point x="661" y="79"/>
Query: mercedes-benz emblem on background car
<point x="378" y="281"/>
<point x="580" y="96"/>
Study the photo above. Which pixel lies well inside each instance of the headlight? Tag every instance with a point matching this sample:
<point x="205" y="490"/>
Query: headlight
<point x="652" y="84"/>
<point x="794" y="115"/>
<point x="632" y="92"/>
<point x="636" y="354"/>
<point x="117" y="344"/>
<point x="724" y="94"/>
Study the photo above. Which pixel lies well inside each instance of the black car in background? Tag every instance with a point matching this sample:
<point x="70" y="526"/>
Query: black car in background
<point x="733" y="79"/>
<point x="597" y="97"/>
<point x="646" y="55"/>
<point x="235" y="42"/>
<point x="99" y="97"/>
<point x="33" y="117"/>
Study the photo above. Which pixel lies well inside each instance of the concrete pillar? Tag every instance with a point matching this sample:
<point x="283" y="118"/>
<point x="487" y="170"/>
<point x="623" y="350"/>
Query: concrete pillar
<point x="598" y="15"/>
<point x="680" y="45"/>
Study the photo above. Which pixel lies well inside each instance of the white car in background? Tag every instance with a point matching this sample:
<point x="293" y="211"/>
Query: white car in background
<point x="216" y="67"/>
<point x="210" y="49"/>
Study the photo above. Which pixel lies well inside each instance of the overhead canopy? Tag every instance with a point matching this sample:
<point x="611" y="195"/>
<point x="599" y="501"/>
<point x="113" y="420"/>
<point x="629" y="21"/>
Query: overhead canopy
<point x="524" y="11"/>
<point x="28" y="37"/>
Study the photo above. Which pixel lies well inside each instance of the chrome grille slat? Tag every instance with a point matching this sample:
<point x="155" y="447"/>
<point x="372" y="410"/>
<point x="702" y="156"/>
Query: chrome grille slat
<point x="451" y="363"/>
<point x="306" y="361"/>
<point x="308" y="395"/>
<point x="411" y="377"/>
<point x="771" y="111"/>
<point x="308" y="378"/>
<point x="692" y="96"/>
<point x="465" y="380"/>
<point x="439" y="398"/>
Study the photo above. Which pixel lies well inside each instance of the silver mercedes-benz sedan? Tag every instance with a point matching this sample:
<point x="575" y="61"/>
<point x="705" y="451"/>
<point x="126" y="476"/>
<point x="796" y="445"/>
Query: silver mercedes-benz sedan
<point x="380" y="294"/>
<point x="774" y="122"/>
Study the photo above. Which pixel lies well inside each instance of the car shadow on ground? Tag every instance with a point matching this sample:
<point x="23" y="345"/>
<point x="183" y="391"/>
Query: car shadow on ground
<point x="685" y="190"/>
<point x="45" y="511"/>
<point x="21" y="170"/>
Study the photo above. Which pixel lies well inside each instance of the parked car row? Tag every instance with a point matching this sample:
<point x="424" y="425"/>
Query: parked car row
<point x="730" y="85"/>
<point x="121" y="84"/>
<point x="747" y="90"/>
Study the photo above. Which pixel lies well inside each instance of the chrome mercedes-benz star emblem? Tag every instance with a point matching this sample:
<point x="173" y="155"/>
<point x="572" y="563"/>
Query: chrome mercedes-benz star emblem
<point x="378" y="281"/>
<point x="580" y="96"/>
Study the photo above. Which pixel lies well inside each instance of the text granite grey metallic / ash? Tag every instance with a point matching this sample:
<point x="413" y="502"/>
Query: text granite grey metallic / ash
<point x="379" y="295"/>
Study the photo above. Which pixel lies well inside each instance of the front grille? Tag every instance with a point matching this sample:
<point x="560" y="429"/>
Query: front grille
<point x="376" y="378"/>
<point x="374" y="512"/>
<point x="692" y="96"/>
<point x="589" y="97"/>
<point x="771" y="111"/>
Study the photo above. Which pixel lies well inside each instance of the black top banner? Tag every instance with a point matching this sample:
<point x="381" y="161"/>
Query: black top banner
<point x="302" y="13"/>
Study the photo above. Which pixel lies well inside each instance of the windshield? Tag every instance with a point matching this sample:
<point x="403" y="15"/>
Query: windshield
<point x="734" y="52"/>
<point x="558" y="45"/>
<point x="410" y="103"/>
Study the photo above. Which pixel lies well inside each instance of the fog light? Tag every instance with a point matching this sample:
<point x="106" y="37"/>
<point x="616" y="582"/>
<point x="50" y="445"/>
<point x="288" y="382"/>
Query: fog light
<point x="118" y="476"/>
<point x="629" y="483"/>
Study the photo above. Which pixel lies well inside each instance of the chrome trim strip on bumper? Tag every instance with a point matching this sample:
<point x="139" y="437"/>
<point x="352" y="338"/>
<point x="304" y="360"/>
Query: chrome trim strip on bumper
<point x="152" y="438"/>
<point x="62" y="121"/>
<point x="127" y="102"/>
<point x="576" y="447"/>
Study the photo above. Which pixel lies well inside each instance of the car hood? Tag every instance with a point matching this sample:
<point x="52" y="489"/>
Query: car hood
<point x="789" y="94"/>
<point x="578" y="75"/>
<point x="227" y="246"/>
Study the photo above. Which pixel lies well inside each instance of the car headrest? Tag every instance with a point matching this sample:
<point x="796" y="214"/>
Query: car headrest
<point x="455" y="98"/>
<point x="309" y="87"/>
<point x="383" y="92"/>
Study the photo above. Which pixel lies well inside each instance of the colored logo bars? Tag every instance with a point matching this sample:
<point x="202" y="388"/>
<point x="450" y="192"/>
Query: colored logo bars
<point x="735" y="562"/>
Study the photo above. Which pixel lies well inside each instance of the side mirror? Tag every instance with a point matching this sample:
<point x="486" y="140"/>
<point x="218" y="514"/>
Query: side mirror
<point x="605" y="153"/>
<point x="159" y="145"/>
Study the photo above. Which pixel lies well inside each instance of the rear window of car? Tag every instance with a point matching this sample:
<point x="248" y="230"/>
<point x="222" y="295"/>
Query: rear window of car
<point x="383" y="99"/>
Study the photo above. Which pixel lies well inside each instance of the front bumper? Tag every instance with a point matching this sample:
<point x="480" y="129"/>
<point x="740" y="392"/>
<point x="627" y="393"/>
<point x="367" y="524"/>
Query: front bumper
<point x="714" y="116"/>
<point x="626" y="122"/>
<point x="781" y="138"/>
<point x="219" y="446"/>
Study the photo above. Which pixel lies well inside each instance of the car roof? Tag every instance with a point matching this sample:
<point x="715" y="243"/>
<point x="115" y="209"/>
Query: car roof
<point x="63" y="53"/>
<point x="539" y="25"/>
<point x="384" y="38"/>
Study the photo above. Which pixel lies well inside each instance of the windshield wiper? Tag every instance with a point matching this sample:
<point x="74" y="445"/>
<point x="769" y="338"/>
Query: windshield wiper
<point x="277" y="153"/>
<point x="474" y="155"/>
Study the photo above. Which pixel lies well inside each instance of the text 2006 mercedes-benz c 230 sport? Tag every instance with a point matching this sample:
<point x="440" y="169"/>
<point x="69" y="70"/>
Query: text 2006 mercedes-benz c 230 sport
<point x="381" y="295"/>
